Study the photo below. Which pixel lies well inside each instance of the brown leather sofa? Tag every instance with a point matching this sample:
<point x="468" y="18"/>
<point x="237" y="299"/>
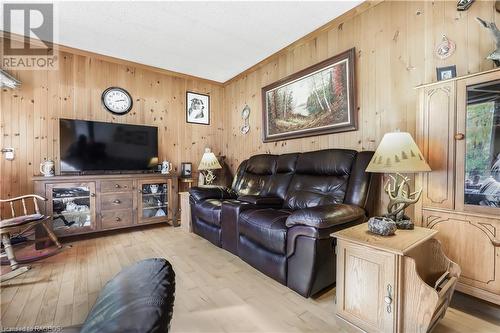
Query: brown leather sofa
<point x="281" y="209"/>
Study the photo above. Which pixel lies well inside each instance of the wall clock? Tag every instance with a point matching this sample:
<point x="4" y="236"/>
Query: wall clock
<point x="117" y="100"/>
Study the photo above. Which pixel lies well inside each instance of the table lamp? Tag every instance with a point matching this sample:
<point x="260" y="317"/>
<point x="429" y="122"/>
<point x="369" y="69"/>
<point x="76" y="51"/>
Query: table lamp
<point x="398" y="153"/>
<point x="208" y="163"/>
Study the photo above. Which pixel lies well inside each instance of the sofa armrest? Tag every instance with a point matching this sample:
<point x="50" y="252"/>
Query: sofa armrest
<point x="200" y="193"/>
<point x="326" y="216"/>
<point x="261" y="201"/>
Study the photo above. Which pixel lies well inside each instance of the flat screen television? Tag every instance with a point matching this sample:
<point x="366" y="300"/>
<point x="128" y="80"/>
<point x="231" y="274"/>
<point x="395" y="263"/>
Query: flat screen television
<point x="93" y="146"/>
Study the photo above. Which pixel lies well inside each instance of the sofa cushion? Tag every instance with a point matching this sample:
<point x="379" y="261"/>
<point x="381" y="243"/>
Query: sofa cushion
<point x="209" y="211"/>
<point x="266" y="227"/>
<point x="320" y="178"/>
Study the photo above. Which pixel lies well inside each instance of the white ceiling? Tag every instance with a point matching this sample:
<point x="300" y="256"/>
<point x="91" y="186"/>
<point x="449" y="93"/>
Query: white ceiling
<point x="212" y="40"/>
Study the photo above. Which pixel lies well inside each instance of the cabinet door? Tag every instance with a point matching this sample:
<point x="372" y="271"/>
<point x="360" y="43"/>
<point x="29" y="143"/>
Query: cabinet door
<point x="72" y="206"/>
<point x="436" y="138"/>
<point x="365" y="284"/>
<point x="478" y="152"/>
<point x="154" y="200"/>
<point x="473" y="243"/>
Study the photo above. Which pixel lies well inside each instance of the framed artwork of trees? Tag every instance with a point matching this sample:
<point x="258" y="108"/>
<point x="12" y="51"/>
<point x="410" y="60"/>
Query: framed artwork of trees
<point x="317" y="100"/>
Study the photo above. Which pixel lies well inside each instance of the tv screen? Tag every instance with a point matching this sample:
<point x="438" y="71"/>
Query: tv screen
<point x="98" y="146"/>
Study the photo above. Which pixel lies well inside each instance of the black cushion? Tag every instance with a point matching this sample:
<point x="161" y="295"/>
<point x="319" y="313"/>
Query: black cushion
<point x="139" y="299"/>
<point x="265" y="227"/>
<point x="325" y="216"/>
<point x="209" y="211"/>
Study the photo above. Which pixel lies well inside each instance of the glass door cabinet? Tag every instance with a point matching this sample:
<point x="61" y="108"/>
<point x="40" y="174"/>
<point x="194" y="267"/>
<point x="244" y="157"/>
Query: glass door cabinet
<point x="153" y="200"/>
<point x="72" y="206"/>
<point x="478" y="183"/>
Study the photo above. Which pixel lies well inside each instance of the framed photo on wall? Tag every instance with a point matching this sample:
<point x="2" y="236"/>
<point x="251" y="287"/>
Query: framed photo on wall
<point x="197" y="108"/>
<point x="446" y="73"/>
<point x="315" y="101"/>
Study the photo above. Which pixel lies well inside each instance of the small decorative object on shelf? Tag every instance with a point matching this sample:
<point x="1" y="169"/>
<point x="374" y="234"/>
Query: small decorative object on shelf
<point x="445" y="48"/>
<point x="398" y="153"/>
<point x="47" y="168"/>
<point x="186" y="169"/>
<point x="208" y="163"/>
<point x="492" y="27"/>
<point x="446" y="73"/>
<point x="382" y="226"/>
<point x="166" y="167"/>
<point x="245" y="114"/>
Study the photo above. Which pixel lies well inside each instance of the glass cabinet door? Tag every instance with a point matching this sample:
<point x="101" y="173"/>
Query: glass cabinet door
<point x="153" y="201"/>
<point x="73" y="207"/>
<point x="481" y="185"/>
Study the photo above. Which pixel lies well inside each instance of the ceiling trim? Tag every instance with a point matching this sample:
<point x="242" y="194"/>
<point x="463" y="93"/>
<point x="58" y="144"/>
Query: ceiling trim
<point x="328" y="26"/>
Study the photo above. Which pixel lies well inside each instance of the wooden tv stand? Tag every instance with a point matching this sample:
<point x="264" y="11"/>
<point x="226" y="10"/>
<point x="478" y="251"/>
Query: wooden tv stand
<point x="85" y="204"/>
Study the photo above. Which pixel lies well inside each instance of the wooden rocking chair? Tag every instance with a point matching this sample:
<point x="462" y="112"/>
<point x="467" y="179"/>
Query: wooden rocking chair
<point x="20" y="225"/>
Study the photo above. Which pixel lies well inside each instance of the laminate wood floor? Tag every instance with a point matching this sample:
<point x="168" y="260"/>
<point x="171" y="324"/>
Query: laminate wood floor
<point x="216" y="291"/>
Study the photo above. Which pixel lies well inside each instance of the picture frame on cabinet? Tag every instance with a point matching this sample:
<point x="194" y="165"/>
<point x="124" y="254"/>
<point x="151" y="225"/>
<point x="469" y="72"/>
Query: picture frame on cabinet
<point x="446" y="73"/>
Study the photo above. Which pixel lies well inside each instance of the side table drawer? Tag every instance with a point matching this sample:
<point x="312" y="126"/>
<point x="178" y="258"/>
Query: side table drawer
<point x="116" y="219"/>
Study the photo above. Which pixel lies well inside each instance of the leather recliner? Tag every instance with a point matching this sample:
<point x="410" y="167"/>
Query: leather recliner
<point x="281" y="209"/>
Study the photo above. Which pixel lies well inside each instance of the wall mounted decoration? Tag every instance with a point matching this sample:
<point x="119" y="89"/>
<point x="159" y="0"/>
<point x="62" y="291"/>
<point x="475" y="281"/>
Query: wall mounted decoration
<point x="197" y="108"/>
<point x="463" y="5"/>
<point x="492" y="27"/>
<point x="117" y="100"/>
<point x="317" y="100"/>
<point x="8" y="81"/>
<point x="445" y="48"/>
<point x="245" y="114"/>
<point x="445" y="73"/>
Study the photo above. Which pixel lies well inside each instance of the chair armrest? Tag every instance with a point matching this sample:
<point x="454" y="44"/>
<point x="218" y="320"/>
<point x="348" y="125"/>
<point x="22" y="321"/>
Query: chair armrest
<point x="326" y="216"/>
<point x="261" y="201"/>
<point x="200" y="193"/>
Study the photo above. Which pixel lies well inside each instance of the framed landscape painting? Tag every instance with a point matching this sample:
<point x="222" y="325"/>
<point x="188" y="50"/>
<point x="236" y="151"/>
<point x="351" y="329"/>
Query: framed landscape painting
<point x="317" y="100"/>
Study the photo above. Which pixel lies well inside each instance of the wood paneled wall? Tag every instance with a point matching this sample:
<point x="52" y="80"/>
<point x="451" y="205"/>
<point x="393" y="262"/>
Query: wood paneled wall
<point x="29" y="115"/>
<point x="395" y="43"/>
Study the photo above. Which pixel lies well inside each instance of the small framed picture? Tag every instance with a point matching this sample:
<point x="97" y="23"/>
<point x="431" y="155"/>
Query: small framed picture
<point x="445" y="73"/>
<point x="186" y="169"/>
<point x="197" y="108"/>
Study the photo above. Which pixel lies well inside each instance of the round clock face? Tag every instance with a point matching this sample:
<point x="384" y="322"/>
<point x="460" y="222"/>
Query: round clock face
<point x="117" y="100"/>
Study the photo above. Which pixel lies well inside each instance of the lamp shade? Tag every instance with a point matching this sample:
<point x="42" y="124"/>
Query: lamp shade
<point x="209" y="161"/>
<point x="398" y="152"/>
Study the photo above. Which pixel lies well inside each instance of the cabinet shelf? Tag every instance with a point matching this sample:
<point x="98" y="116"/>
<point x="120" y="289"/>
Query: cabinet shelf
<point x="154" y="207"/>
<point x="71" y="198"/>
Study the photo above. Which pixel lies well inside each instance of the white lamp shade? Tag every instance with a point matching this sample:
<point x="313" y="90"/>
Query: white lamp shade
<point x="398" y="152"/>
<point x="209" y="161"/>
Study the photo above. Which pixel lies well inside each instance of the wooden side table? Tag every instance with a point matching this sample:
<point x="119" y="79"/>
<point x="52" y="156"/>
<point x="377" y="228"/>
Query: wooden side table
<point x="186" y="183"/>
<point x="185" y="212"/>
<point x="399" y="283"/>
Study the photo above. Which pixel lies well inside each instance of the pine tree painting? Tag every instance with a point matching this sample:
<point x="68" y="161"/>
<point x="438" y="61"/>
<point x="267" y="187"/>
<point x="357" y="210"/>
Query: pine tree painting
<point x="318" y="100"/>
